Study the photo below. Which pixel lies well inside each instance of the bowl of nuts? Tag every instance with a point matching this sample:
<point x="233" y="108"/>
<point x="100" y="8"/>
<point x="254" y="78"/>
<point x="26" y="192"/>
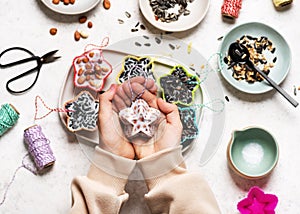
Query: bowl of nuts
<point x="268" y="50"/>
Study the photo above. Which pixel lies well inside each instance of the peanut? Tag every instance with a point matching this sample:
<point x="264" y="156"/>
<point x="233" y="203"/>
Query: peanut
<point x="81" y="80"/>
<point x="84" y="34"/>
<point x="106" y="4"/>
<point x="80" y="72"/>
<point x="76" y="35"/>
<point x="55" y="1"/>
<point x="82" y="19"/>
<point x="90" y="24"/>
<point x="53" y="31"/>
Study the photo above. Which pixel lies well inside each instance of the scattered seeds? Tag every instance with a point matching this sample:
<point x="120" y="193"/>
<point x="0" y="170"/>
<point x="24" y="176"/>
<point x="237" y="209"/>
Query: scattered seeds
<point x="134" y="30"/>
<point x="143" y="27"/>
<point x="295" y="90"/>
<point x="220" y="38"/>
<point x="121" y="21"/>
<point x="147" y="44"/>
<point x="128" y="15"/>
<point x="138" y="44"/>
<point x="189" y="48"/>
<point x="137" y="24"/>
<point x="226" y="98"/>
<point x="157" y="40"/>
<point x="193" y="69"/>
<point x="172" y="46"/>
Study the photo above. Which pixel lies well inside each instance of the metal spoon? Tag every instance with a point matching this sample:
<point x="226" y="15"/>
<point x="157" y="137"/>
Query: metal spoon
<point x="240" y="54"/>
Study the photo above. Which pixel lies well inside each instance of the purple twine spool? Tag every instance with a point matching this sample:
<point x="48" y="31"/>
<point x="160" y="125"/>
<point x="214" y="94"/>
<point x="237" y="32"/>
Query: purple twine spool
<point x="38" y="147"/>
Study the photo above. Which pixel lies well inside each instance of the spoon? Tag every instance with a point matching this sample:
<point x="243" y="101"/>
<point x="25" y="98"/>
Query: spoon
<point x="240" y="54"/>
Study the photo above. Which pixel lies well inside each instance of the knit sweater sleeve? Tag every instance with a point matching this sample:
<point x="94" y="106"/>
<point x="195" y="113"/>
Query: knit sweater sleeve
<point x="172" y="189"/>
<point x="102" y="190"/>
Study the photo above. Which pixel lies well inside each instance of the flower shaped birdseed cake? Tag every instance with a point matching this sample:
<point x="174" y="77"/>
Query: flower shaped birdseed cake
<point x="139" y="119"/>
<point x="91" y="70"/>
<point x="82" y="112"/>
<point x="135" y="66"/>
<point x="179" y="86"/>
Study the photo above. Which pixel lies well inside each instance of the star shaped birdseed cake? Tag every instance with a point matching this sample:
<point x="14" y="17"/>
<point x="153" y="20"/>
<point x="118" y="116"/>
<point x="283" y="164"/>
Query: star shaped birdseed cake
<point x="139" y="119"/>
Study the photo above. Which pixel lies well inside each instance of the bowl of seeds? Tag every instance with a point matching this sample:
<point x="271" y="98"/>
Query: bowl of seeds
<point x="268" y="50"/>
<point x="174" y="15"/>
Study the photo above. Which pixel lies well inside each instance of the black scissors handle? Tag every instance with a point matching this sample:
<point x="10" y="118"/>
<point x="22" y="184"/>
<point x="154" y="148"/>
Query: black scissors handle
<point x="32" y="58"/>
<point x="18" y="62"/>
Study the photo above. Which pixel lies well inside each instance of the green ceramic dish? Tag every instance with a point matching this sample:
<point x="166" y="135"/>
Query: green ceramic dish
<point x="281" y="66"/>
<point x="252" y="152"/>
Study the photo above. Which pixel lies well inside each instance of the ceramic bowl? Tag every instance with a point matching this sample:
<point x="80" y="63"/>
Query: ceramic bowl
<point x="252" y="152"/>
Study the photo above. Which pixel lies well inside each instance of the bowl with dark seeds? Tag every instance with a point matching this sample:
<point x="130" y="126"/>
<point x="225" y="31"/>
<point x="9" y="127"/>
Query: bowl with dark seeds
<point x="269" y="51"/>
<point x="174" y="15"/>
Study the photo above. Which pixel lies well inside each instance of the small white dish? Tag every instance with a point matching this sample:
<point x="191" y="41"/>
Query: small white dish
<point x="72" y="9"/>
<point x="198" y="10"/>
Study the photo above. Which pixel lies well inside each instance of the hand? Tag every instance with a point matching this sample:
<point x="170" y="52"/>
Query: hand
<point x="111" y="102"/>
<point x="169" y="130"/>
<point x="132" y="89"/>
<point x="112" y="138"/>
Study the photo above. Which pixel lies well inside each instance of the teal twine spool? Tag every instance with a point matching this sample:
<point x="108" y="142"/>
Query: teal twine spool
<point x="8" y="117"/>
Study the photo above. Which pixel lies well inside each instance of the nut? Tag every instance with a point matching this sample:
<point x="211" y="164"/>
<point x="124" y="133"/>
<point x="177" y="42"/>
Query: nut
<point x="80" y="72"/>
<point x="81" y="80"/>
<point x="72" y="1"/>
<point x="66" y="2"/>
<point x="55" y="1"/>
<point x="90" y="24"/>
<point x="82" y="19"/>
<point x="77" y="35"/>
<point x="106" y="4"/>
<point x="53" y="31"/>
<point x="85" y="59"/>
<point x="84" y="34"/>
<point x="91" y="54"/>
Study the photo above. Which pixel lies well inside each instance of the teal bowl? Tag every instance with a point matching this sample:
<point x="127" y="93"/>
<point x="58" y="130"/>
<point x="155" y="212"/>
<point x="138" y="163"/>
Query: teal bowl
<point x="252" y="153"/>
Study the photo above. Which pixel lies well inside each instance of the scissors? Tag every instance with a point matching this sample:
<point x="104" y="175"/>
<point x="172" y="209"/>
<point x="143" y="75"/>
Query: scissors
<point x="46" y="58"/>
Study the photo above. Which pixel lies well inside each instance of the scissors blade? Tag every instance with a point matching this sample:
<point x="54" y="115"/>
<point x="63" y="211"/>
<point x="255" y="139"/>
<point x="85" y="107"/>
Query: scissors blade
<point x="49" y="57"/>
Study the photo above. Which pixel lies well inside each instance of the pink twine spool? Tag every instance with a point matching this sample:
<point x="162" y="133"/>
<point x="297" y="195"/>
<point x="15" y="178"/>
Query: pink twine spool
<point x="231" y="8"/>
<point x="38" y="147"/>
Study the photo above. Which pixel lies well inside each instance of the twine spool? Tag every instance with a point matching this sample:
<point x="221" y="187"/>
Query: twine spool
<point x="38" y="147"/>
<point x="231" y="8"/>
<point x="282" y="3"/>
<point x="8" y="117"/>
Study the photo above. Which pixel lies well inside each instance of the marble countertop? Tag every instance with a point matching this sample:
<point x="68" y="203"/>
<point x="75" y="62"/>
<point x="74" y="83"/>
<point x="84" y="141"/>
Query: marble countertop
<point x="26" y="23"/>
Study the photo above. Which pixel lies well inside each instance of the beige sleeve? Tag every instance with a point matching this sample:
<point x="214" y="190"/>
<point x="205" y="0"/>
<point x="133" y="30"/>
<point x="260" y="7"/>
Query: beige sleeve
<point x="174" y="190"/>
<point x="102" y="190"/>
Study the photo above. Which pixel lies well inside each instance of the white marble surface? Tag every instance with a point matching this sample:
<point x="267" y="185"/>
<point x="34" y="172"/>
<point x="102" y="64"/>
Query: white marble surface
<point x="26" y="23"/>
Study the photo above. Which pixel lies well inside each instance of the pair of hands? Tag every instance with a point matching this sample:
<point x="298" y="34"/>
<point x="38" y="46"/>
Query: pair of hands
<point x="119" y="97"/>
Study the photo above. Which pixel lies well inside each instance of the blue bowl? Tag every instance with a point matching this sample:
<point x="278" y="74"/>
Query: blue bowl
<point x="252" y="152"/>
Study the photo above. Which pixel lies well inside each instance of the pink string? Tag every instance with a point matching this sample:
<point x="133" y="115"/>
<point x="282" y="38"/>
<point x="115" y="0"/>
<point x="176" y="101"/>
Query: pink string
<point x="48" y="108"/>
<point x="231" y="8"/>
<point x="103" y="44"/>
<point x="26" y="166"/>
